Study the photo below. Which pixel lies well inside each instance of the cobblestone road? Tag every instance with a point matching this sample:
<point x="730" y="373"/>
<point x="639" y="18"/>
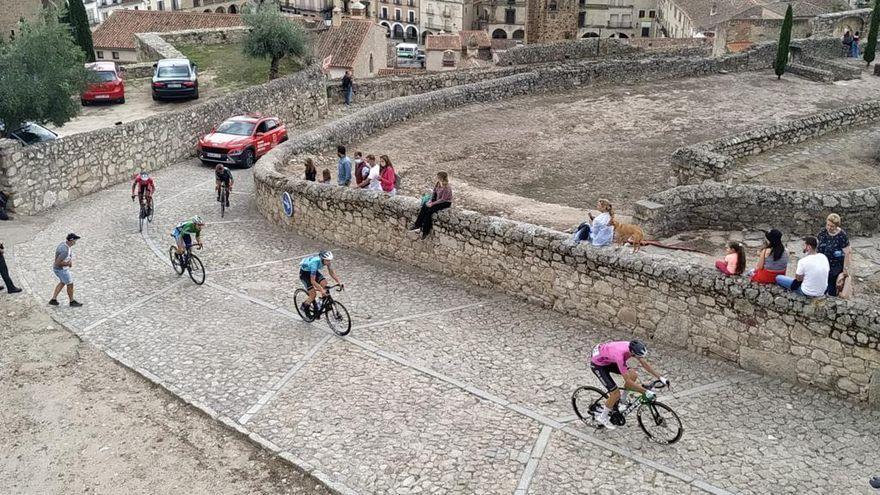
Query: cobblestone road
<point x="440" y="388"/>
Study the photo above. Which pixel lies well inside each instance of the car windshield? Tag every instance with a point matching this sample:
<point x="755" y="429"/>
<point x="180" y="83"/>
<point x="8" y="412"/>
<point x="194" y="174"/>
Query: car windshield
<point x="173" y="71"/>
<point x="105" y="76"/>
<point x="236" y="127"/>
<point x="32" y="134"/>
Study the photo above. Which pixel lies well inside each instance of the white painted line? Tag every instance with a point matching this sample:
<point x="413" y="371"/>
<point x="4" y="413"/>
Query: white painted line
<point x="279" y="385"/>
<point x="534" y="459"/>
<point x="219" y="222"/>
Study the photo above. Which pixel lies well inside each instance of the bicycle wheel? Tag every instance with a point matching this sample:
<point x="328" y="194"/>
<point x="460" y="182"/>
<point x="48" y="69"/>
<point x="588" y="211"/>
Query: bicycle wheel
<point x="299" y="296"/>
<point x="661" y="424"/>
<point x="223" y="197"/>
<point x="152" y="210"/>
<point x="175" y="261"/>
<point x="141" y="220"/>
<point x="586" y="402"/>
<point x="338" y="319"/>
<point x="196" y="269"/>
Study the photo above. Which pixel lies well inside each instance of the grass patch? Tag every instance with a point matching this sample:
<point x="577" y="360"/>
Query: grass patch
<point x="232" y="68"/>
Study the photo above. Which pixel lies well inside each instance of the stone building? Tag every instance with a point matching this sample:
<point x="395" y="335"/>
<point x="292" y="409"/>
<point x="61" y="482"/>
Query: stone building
<point x="617" y="19"/>
<point x="442" y="52"/>
<point x="502" y="19"/>
<point x="400" y="18"/>
<point x="551" y="20"/>
<point x="356" y="44"/>
<point x="114" y="38"/>
<point x="105" y="8"/>
<point x="449" y="16"/>
<point x="15" y="11"/>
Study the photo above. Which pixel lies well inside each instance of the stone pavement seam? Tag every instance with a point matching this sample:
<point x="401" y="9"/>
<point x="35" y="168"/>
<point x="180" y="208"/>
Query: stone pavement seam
<point x="276" y="387"/>
<point x="534" y="459"/>
<point x="421" y="315"/>
<point x="143" y="300"/>
<point x="256" y="265"/>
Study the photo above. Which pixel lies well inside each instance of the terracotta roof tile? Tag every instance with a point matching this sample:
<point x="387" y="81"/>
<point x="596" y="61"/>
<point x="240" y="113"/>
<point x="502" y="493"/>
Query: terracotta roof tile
<point x="480" y="37"/>
<point x="343" y="42"/>
<point x="119" y="29"/>
<point x="443" y="42"/>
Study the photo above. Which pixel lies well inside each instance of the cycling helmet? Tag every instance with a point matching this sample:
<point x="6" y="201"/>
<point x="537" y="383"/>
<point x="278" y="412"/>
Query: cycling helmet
<point x="638" y="348"/>
<point x="198" y="220"/>
<point x="326" y="255"/>
<point x="875" y="482"/>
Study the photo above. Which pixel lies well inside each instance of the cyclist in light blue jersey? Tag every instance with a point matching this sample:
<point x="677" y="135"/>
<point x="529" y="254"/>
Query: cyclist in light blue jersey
<point x="312" y="279"/>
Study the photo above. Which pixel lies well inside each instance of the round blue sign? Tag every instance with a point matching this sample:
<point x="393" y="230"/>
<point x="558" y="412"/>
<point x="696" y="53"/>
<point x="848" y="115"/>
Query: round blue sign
<point x="287" y="203"/>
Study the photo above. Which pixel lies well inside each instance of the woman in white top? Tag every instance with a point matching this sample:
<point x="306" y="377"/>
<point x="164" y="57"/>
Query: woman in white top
<point x="373" y="176"/>
<point x="600" y="230"/>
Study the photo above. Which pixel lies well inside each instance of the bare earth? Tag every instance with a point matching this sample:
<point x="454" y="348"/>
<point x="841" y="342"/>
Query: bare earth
<point x="73" y="421"/>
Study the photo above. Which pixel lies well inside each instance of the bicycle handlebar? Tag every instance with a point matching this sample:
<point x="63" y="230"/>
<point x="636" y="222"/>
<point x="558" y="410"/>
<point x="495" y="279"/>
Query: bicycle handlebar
<point x="656" y="384"/>
<point x="338" y="287"/>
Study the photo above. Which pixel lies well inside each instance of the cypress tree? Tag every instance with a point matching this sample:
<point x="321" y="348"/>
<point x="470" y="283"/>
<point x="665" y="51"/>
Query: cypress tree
<point x="871" y="45"/>
<point x="784" y="42"/>
<point x="79" y="25"/>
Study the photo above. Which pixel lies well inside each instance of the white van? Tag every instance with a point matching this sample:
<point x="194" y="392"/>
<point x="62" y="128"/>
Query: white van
<point x="407" y="50"/>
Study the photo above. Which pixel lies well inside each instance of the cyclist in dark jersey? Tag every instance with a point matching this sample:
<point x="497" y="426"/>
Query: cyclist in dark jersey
<point x="223" y="175"/>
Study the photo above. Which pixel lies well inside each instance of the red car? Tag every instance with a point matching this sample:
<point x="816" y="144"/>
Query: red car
<point x="241" y="140"/>
<point x="109" y="87"/>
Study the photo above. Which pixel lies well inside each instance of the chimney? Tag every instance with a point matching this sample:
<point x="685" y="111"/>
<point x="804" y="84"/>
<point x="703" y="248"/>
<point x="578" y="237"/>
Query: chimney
<point x="337" y="16"/>
<point x="357" y="10"/>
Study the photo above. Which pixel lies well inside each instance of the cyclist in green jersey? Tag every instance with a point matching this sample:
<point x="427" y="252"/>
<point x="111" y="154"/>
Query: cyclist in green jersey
<point x="182" y="233"/>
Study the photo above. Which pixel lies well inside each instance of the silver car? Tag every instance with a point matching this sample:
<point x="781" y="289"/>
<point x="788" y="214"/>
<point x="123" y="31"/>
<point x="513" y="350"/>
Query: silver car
<point x="175" y="78"/>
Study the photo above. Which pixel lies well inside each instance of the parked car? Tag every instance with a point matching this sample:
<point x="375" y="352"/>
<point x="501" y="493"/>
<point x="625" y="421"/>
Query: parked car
<point x="175" y="78"/>
<point x="109" y="85"/>
<point x="30" y="133"/>
<point x="241" y="140"/>
<point x="407" y="50"/>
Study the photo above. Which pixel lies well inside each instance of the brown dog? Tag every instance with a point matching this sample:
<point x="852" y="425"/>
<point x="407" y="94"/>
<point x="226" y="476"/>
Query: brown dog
<point x="628" y="233"/>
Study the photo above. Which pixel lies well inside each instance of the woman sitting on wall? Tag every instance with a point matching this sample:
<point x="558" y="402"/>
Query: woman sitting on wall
<point x="311" y="170"/>
<point x="601" y="231"/>
<point x="772" y="259"/>
<point x="440" y="199"/>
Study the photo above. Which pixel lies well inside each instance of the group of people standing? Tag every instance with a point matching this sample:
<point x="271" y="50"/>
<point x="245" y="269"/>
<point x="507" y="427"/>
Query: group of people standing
<point x="824" y="270"/>
<point x="851" y="46"/>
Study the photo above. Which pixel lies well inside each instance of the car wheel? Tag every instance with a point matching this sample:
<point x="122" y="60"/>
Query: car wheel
<point x="84" y="103"/>
<point x="248" y="159"/>
<point x="155" y="98"/>
<point x="122" y="100"/>
<point x="196" y="95"/>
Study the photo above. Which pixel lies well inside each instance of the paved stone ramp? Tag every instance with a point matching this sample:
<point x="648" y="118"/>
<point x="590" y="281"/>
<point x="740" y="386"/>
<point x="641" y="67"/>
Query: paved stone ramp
<point x="440" y="388"/>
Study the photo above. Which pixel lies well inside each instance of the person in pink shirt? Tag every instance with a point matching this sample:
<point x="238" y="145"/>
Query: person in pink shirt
<point x="611" y="357"/>
<point x="734" y="262"/>
<point x="387" y="175"/>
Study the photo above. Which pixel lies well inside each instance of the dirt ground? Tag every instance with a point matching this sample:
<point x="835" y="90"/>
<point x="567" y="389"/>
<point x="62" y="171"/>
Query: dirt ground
<point x="138" y="104"/>
<point x="73" y="421"/>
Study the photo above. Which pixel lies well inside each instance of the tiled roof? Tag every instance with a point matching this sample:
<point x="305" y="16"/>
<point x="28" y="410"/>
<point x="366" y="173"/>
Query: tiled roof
<point x="706" y="14"/>
<point x="480" y="37"/>
<point x="119" y="29"/>
<point x="502" y="43"/>
<point x="343" y="42"/>
<point x="443" y="42"/>
<point x="401" y="71"/>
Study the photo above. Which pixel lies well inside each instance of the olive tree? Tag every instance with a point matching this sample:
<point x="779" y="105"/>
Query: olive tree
<point x="273" y="36"/>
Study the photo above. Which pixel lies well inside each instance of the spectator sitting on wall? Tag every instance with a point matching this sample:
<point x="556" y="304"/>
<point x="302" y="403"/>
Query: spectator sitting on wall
<point x="834" y="244"/>
<point x="772" y="259"/>
<point x="364" y="172"/>
<point x="387" y="175"/>
<point x="325" y="176"/>
<point x="4" y="200"/>
<point x="811" y="276"/>
<point x="734" y="262"/>
<point x="599" y="231"/>
<point x="311" y="171"/>
<point x="439" y="199"/>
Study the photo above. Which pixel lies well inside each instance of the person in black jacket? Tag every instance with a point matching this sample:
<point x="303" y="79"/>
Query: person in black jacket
<point x="4" y="273"/>
<point x="347" y="87"/>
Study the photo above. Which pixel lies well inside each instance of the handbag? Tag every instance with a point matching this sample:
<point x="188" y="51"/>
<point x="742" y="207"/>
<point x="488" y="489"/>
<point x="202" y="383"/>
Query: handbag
<point x="844" y="286"/>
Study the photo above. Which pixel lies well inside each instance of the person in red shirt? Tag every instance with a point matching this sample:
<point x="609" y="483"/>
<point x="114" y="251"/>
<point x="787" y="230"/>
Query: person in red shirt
<point x="143" y="186"/>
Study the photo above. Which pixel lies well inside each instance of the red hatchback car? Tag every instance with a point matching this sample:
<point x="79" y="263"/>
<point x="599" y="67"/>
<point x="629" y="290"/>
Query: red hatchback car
<point x="241" y="140"/>
<point x="109" y="86"/>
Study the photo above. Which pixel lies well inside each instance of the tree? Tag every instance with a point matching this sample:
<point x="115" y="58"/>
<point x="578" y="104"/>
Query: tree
<point x="79" y="25"/>
<point x="273" y="36"/>
<point x="784" y="42"/>
<point x="42" y="72"/>
<point x="871" y="45"/>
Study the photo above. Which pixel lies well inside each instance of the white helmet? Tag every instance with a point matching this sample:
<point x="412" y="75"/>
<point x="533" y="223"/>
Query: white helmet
<point x="326" y="255"/>
<point x="198" y="220"/>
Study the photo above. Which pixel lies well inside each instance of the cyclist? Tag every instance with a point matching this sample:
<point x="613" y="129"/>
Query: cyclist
<point x="182" y="233"/>
<point x="312" y="279"/>
<point x="223" y="175"/>
<point x="611" y="357"/>
<point x="143" y="186"/>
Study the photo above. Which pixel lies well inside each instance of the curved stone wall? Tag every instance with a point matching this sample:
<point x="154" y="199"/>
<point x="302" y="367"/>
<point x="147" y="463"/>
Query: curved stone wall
<point x="832" y="344"/>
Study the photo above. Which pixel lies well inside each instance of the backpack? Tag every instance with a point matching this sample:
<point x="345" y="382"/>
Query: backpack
<point x="396" y="180"/>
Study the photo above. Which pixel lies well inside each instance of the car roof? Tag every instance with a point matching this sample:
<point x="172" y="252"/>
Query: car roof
<point x="101" y="66"/>
<point x="173" y="61"/>
<point x="252" y="118"/>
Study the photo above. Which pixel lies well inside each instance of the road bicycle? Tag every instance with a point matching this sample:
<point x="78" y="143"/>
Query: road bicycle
<point x="224" y="198"/>
<point x="145" y="213"/>
<point x="333" y="311"/>
<point x="659" y="422"/>
<point x="187" y="262"/>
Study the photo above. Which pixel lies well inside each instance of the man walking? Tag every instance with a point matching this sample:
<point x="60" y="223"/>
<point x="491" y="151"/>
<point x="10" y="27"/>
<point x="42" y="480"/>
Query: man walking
<point x="343" y="167"/>
<point x="4" y="273"/>
<point x="347" y="89"/>
<point x="61" y="267"/>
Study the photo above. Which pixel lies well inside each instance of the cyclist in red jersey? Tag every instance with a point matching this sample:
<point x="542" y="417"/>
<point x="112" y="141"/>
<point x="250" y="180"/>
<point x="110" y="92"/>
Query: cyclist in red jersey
<point x="143" y="186"/>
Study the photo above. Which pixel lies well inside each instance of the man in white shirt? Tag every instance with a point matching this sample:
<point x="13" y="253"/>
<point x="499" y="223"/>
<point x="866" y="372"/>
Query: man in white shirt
<point x="811" y="277"/>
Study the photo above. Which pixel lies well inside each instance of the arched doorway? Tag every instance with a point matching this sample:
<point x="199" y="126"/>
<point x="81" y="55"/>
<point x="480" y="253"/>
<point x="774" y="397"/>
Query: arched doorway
<point x="233" y="9"/>
<point x="499" y="34"/>
<point x="387" y="28"/>
<point x="590" y="35"/>
<point x="622" y="35"/>
<point x="397" y="33"/>
<point x="852" y="23"/>
<point x="220" y="10"/>
<point x="412" y="33"/>
<point x="425" y="36"/>
<point x="209" y="11"/>
<point x="519" y="34"/>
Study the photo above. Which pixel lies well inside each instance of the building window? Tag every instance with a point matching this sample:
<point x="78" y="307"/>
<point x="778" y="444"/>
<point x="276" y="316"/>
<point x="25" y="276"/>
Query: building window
<point x="510" y="16"/>
<point x="411" y="3"/>
<point x="160" y="5"/>
<point x="411" y="17"/>
<point x="448" y="58"/>
<point x="115" y="55"/>
<point x="646" y="31"/>
<point x="641" y="14"/>
<point x="196" y="3"/>
<point x="651" y="14"/>
<point x="396" y="14"/>
<point x="582" y="3"/>
<point x="582" y="19"/>
<point x="384" y="12"/>
<point x="100" y="54"/>
<point x="551" y="5"/>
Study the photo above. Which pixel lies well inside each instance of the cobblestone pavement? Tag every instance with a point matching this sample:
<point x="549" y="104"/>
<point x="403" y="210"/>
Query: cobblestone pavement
<point x="440" y="388"/>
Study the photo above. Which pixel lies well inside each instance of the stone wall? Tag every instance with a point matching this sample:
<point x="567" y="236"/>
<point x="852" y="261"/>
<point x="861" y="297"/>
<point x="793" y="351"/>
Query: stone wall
<point x="831" y="344"/>
<point x="810" y="73"/>
<point x="839" y="70"/>
<point x="833" y="24"/>
<point x="710" y="160"/>
<point x="44" y="175"/>
<point x="585" y="48"/>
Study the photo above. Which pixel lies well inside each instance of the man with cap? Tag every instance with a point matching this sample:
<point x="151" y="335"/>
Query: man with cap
<point x="61" y="267"/>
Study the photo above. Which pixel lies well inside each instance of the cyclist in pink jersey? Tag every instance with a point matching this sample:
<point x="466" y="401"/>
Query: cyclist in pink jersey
<point x="611" y="357"/>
